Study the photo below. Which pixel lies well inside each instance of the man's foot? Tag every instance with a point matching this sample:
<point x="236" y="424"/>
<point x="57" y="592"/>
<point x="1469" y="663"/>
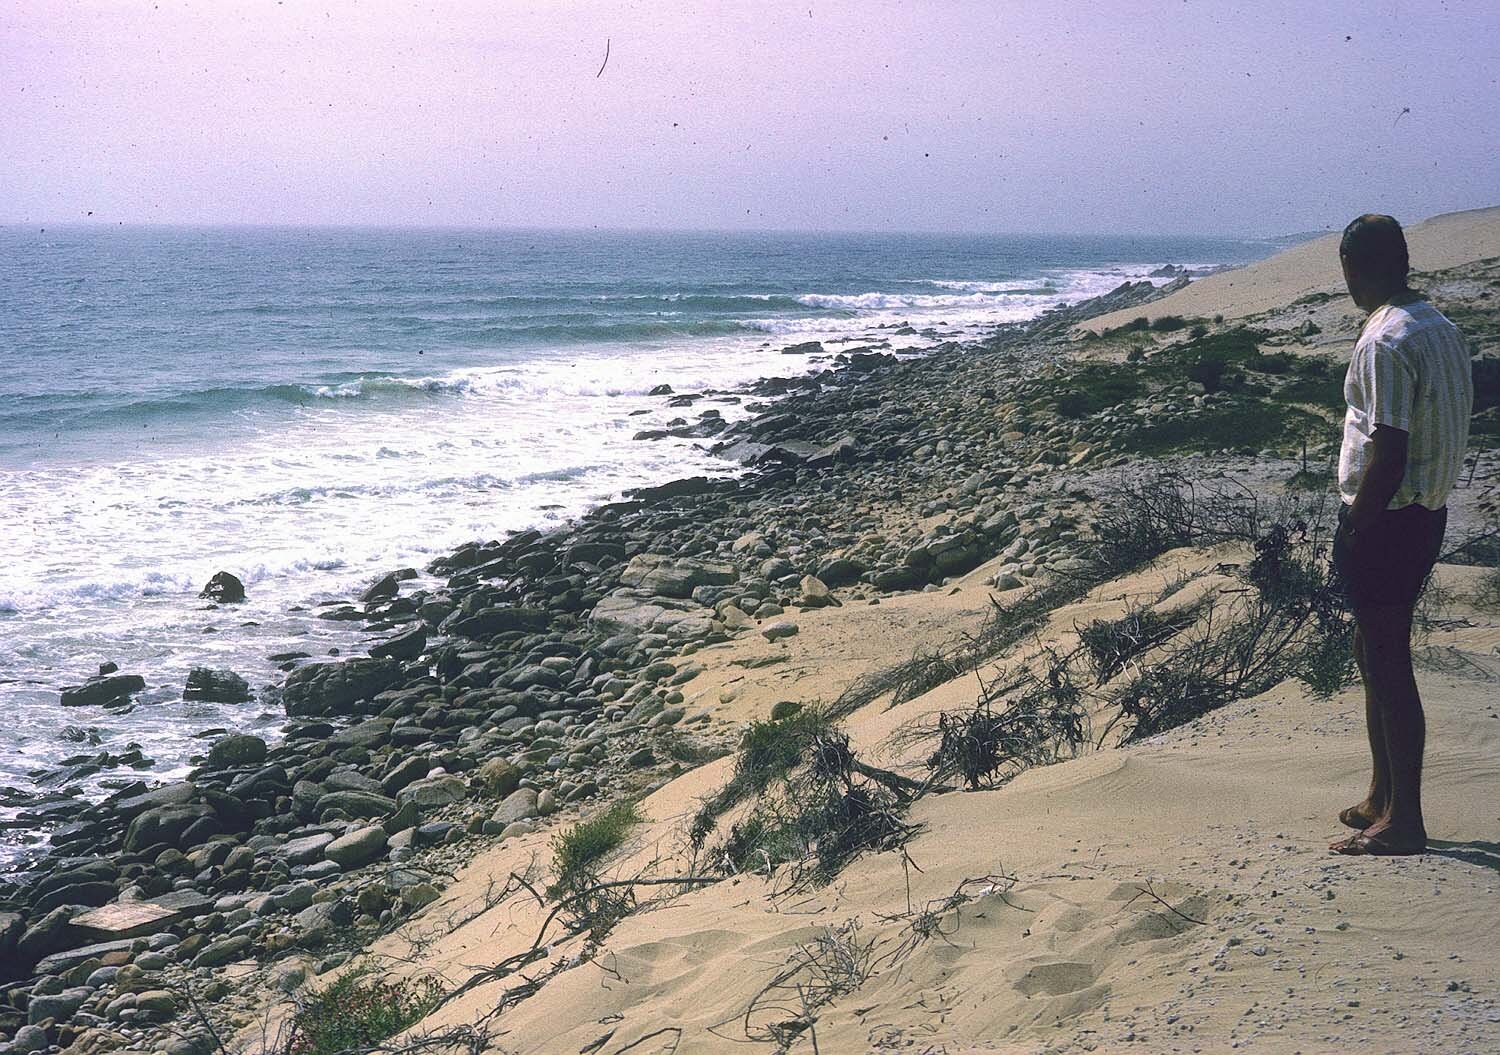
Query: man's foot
<point x="1382" y="840"/>
<point x="1360" y="817"/>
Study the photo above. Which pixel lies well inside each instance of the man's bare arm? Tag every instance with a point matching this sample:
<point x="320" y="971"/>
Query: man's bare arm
<point x="1382" y="477"/>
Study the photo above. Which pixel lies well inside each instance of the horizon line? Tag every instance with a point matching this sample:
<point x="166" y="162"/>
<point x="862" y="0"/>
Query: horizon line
<point x="610" y="229"/>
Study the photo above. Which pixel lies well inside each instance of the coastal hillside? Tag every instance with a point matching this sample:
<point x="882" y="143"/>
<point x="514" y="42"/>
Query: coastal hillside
<point x="1312" y="269"/>
<point x="998" y="701"/>
<point x="1172" y="895"/>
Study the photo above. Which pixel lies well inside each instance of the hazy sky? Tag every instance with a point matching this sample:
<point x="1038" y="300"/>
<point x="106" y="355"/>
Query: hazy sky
<point x="1255" y="118"/>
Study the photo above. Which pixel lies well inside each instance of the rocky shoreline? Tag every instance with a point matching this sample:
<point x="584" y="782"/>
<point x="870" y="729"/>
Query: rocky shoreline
<point x="517" y="681"/>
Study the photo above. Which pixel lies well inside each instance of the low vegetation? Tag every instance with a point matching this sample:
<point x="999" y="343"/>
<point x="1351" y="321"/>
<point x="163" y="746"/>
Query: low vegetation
<point x="357" y="1012"/>
<point x="578" y="851"/>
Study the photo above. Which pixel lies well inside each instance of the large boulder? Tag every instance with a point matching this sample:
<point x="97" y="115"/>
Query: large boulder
<point x="519" y="805"/>
<point x="106" y="688"/>
<point x="382" y="589"/>
<point x="432" y="792"/>
<point x="632" y="612"/>
<point x="323" y="689"/>
<point x="165" y="824"/>
<point x="500" y="619"/>
<point x="355" y="804"/>
<point x="357" y="848"/>
<point x="674" y="576"/>
<point x="237" y="749"/>
<point x="224" y="588"/>
<point x="215" y="686"/>
<point x="403" y="647"/>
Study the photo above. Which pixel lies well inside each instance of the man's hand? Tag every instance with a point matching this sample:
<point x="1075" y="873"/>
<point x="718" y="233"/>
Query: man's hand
<point x="1382" y="480"/>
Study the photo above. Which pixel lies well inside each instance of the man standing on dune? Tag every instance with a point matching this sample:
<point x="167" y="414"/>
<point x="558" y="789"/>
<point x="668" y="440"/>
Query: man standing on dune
<point x="1410" y="392"/>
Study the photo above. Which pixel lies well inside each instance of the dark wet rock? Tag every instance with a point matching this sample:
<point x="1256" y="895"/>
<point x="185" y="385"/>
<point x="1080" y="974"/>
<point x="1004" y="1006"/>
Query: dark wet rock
<point x="384" y="587"/>
<point x="107" y="688"/>
<point x="224" y="588"/>
<point x="840" y="571"/>
<point x="320" y="689"/>
<point x="595" y="552"/>
<point x="216" y="686"/>
<point x="403" y="647"/>
<point x="264" y="783"/>
<point x="843" y="449"/>
<point x="805" y="348"/>
<point x="83" y="891"/>
<point x="164" y="824"/>
<point x="50" y="934"/>
<point x="499" y="619"/>
<point x="686" y="487"/>
<point x="237" y="749"/>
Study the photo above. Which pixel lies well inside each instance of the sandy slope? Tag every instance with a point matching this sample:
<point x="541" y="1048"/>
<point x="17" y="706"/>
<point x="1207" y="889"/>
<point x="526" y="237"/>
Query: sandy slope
<point x="1261" y="938"/>
<point x="1313" y="267"/>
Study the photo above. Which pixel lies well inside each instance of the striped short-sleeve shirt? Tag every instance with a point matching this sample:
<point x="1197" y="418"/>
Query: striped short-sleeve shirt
<point x="1410" y="370"/>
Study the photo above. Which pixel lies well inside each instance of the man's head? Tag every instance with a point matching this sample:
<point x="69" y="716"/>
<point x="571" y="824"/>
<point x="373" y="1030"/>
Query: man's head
<point x="1373" y="252"/>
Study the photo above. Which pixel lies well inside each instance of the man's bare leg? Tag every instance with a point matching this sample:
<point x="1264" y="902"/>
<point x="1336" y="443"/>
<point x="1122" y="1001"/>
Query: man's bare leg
<point x="1375" y="804"/>
<point x="1386" y="634"/>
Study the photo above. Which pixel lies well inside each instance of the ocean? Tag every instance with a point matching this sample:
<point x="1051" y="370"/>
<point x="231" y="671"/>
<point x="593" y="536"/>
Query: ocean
<point x="309" y="408"/>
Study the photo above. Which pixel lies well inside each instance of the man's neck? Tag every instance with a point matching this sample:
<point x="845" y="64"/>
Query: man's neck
<point x="1395" y="298"/>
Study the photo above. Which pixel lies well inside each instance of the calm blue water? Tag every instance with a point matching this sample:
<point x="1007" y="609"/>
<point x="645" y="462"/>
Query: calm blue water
<point x="305" y="408"/>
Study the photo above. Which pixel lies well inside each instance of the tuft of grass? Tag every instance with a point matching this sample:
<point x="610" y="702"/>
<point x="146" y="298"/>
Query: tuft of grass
<point x="358" y="1012"/>
<point x="577" y="852"/>
<point x="769" y="750"/>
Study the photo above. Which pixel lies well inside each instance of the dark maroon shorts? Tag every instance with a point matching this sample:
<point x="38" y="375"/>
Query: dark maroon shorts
<point x="1387" y="563"/>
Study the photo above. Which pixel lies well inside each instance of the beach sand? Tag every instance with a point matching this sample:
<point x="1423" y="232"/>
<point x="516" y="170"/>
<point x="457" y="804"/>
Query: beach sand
<point x="1312" y="268"/>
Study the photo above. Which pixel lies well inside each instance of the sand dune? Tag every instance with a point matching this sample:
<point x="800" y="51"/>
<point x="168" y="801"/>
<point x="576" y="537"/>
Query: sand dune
<point x="1441" y="242"/>
<point x="1172" y="896"/>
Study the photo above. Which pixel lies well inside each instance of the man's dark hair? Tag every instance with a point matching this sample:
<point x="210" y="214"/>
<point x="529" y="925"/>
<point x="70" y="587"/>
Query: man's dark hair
<point x="1375" y="247"/>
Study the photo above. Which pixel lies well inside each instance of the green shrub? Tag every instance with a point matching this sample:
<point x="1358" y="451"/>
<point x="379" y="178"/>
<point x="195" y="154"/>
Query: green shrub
<point x="577" y="851"/>
<point x="1245" y="424"/>
<point x="1168" y="323"/>
<point x="1272" y="363"/>
<point x="1197" y="331"/>
<point x="359" y="1011"/>
<point x="1094" y="389"/>
<point x="1210" y="373"/>
<point x="1136" y="354"/>
<point x="1135" y="325"/>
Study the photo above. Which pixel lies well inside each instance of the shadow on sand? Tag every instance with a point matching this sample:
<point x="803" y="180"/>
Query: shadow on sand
<point x="1474" y="852"/>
